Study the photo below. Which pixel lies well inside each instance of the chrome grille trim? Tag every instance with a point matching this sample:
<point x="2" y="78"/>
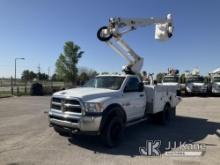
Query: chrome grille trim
<point x="55" y="103"/>
<point x="72" y="105"/>
<point x="63" y="104"/>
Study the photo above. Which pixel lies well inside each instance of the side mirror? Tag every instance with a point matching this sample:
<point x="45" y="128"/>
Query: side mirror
<point x="140" y="87"/>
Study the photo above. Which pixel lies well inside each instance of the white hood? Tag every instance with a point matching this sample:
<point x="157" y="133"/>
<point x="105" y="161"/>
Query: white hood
<point x="86" y="93"/>
<point x="170" y="83"/>
<point x="198" y="84"/>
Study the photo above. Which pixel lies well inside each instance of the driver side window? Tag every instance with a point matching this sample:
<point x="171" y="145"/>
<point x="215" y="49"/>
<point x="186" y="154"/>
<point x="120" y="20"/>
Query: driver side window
<point x="132" y="85"/>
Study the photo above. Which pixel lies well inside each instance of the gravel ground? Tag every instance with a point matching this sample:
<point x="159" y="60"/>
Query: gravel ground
<point x="26" y="138"/>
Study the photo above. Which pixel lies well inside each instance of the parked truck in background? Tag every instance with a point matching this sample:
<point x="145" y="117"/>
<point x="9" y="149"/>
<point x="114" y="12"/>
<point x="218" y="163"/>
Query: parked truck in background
<point x="195" y="84"/>
<point x="215" y="81"/>
<point x="172" y="78"/>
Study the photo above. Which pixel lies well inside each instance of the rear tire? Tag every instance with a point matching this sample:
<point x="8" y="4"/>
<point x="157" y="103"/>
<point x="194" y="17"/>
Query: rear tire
<point x="113" y="132"/>
<point x="165" y="116"/>
<point x="172" y="113"/>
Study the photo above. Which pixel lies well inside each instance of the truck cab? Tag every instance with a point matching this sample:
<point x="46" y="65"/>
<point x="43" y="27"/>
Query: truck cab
<point x="195" y="85"/>
<point x="107" y="104"/>
<point x="172" y="80"/>
<point x="215" y="83"/>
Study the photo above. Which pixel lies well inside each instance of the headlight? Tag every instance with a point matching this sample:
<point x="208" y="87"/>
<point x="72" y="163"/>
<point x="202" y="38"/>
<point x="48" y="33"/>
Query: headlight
<point x="93" y="107"/>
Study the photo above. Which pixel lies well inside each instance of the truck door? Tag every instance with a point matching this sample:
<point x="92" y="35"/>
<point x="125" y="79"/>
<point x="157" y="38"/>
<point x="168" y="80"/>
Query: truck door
<point x="134" y="101"/>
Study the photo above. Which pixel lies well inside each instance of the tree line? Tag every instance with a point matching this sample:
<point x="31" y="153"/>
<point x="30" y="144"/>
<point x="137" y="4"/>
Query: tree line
<point x="66" y="68"/>
<point x="68" y="71"/>
<point x="28" y="75"/>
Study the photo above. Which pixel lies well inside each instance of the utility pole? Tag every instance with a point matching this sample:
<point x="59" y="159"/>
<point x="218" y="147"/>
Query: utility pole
<point x="48" y="72"/>
<point x="16" y="67"/>
<point x="38" y="70"/>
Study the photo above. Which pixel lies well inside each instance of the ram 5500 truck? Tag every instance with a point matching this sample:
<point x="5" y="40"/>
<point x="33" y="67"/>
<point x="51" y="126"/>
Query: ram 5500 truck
<point x="109" y="103"/>
<point x="195" y="85"/>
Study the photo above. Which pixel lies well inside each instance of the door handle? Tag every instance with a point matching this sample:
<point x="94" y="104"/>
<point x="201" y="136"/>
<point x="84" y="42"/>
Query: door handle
<point x="141" y="95"/>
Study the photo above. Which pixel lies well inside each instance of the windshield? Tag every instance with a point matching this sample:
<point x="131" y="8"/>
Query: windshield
<point x="216" y="79"/>
<point x="108" y="82"/>
<point x="195" y="79"/>
<point x="170" y="79"/>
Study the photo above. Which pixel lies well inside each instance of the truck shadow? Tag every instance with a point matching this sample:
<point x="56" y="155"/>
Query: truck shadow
<point x="182" y="129"/>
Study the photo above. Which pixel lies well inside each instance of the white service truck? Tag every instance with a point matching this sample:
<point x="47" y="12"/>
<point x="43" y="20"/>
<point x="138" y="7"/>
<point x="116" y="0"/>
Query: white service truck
<point x="172" y="78"/>
<point x="109" y="103"/>
<point x="215" y="81"/>
<point x="195" y="83"/>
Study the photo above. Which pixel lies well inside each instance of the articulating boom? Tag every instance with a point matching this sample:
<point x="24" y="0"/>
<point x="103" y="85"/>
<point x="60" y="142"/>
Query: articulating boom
<point x="119" y="26"/>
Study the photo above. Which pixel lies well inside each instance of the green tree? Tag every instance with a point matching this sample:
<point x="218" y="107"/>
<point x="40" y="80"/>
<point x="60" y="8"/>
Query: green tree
<point x="83" y="77"/>
<point x="28" y="75"/>
<point x="207" y="79"/>
<point x="66" y="65"/>
<point x="103" y="73"/>
<point x="183" y="78"/>
<point x="159" y="77"/>
<point x="90" y="72"/>
<point x="43" y="76"/>
<point x="54" y="77"/>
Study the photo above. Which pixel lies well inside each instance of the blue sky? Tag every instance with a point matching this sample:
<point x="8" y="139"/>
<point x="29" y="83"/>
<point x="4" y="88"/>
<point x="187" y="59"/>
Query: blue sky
<point x="37" y="30"/>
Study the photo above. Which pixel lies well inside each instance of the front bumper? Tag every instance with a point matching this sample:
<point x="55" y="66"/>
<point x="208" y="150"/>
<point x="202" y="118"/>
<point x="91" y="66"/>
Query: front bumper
<point x="74" y="121"/>
<point x="198" y="90"/>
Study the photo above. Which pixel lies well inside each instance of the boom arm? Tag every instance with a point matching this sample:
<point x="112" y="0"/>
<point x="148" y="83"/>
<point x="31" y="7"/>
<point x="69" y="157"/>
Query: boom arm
<point x="119" y="26"/>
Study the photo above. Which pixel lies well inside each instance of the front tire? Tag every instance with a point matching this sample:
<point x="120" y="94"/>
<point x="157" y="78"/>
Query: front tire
<point x="113" y="132"/>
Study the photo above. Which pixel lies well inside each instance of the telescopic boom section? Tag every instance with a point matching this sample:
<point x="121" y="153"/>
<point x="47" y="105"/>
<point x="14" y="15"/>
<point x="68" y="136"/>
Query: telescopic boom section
<point x="112" y="35"/>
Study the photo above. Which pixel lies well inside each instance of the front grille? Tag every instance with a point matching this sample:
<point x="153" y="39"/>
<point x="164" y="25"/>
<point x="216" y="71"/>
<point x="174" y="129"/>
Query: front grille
<point x="57" y="107"/>
<point x="64" y="119"/>
<point x="197" y="88"/>
<point x="58" y="100"/>
<point x="66" y="105"/>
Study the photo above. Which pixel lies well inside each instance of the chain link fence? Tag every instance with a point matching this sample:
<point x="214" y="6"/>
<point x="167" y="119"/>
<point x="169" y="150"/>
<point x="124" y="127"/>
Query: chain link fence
<point x="8" y="88"/>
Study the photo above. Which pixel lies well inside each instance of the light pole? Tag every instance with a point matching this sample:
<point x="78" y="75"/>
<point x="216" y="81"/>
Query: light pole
<point x="16" y="66"/>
